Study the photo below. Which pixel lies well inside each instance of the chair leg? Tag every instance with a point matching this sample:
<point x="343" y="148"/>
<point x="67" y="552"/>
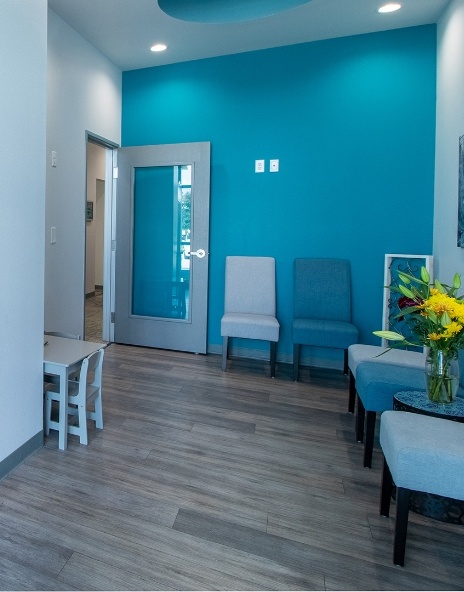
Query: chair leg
<point x="401" y="524"/>
<point x="345" y="361"/>
<point x="296" y="361"/>
<point x="273" y="358"/>
<point x="98" y="413"/>
<point x="225" y="346"/>
<point x="360" y="415"/>
<point x="369" y="443"/>
<point x="387" y="488"/>
<point x="47" y="415"/>
<point x="351" y="392"/>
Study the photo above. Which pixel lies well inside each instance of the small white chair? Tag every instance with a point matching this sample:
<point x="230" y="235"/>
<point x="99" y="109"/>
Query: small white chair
<point x="85" y="394"/>
<point x="81" y="394"/>
<point x="250" y="303"/>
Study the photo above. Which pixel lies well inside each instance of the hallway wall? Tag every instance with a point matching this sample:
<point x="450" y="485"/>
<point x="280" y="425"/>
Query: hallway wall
<point x="449" y="258"/>
<point x="84" y="94"/>
<point x="23" y="43"/>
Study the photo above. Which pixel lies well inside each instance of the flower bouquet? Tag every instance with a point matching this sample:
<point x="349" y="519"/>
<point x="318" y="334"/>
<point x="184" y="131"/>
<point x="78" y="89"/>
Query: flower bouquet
<point x="435" y="315"/>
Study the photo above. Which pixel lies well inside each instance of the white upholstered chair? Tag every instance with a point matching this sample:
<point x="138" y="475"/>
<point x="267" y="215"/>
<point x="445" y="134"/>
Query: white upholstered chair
<point x="250" y="303"/>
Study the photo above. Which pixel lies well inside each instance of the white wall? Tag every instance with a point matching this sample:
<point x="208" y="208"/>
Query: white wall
<point x="23" y="75"/>
<point x="449" y="258"/>
<point x="84" y="93"/>
<point x="100" y="232"/>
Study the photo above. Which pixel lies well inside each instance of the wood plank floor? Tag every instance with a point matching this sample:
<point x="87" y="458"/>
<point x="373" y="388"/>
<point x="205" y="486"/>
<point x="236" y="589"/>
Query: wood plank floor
<point x="203" y="480"/>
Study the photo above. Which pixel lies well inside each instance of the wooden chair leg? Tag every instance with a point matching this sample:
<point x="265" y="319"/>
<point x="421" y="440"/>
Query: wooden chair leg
<point x="273" y="358"/>
<point x="386" y="492"/>
<point x="225" y="353"/>
<point x="296" y="361"/>
<point x="351" y="392"/>
<point x="360" y="415"/>
<point x="401" y="524"/>
<point x="369" y="443"/>
<point x="345" y="361"/>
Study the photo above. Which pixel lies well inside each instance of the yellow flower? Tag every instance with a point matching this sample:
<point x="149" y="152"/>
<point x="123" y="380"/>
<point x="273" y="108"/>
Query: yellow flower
<point x="439" y="304"/>
<point x="434" y="336"/>
<point x="451" y="329"/>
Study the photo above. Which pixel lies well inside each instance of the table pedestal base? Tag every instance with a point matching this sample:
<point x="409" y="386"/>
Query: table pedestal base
<point x="440" y="508"/>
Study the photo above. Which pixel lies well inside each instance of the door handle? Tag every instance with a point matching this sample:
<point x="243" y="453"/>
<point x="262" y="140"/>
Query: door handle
<point x="200" y="253"/>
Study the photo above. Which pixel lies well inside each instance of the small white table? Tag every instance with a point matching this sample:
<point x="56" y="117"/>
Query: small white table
<point x="62" y="357"/>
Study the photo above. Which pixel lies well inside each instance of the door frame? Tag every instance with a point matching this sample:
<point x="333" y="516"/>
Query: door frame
<point x="109" y="225"/>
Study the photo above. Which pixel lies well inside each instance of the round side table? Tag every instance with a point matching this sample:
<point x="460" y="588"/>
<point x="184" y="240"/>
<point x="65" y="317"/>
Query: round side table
<point x="428" y="504"/>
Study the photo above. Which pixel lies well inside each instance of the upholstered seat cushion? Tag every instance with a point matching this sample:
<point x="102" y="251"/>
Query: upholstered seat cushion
<point x="245" y="325"/>
<point x="324" y="333"/>
<point x="424" y="453"/>
<point x="377" y="383"/>
<point x="358" y="353"/>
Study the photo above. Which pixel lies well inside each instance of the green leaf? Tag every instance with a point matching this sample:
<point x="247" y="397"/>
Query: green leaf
<point x="389" y="335"/>
<point x="405" y="311"/>
<point x="445" y="319"/>
<point x="425" y="275"/>
<point x="456" y="281"/>
<point x="432" y="317"/>
<point x="439" y="287"/>
<point x="406" y="292"/>
<point x="404" y="277"/>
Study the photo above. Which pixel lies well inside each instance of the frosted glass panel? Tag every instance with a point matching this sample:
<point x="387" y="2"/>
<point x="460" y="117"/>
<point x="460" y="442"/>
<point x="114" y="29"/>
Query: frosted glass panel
<point x="161" y="242"/>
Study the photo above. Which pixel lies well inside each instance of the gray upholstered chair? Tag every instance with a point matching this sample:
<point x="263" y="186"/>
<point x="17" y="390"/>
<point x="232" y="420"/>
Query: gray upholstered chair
<point x="250" y="303"/>
<point x="322" y="307"/>
<point x="377" y="383"/>
<point x="421" y="453"/>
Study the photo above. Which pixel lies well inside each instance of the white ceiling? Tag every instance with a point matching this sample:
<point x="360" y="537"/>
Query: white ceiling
<point x="124" y="30"/>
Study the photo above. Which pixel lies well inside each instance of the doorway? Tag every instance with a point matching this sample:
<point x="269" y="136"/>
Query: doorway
<point x="98" y="255"/>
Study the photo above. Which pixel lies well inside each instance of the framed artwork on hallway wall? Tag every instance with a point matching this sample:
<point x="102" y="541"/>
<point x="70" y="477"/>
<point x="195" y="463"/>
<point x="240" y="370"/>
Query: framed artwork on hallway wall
<point x="461" y="194"/>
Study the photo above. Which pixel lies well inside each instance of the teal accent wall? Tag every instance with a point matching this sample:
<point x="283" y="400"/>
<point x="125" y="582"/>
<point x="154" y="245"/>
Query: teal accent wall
<point x="352" y="121"/>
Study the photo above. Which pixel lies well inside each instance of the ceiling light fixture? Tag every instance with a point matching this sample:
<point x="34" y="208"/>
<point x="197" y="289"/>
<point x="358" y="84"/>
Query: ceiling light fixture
<point x="226" y="11"/>
<point x="158" y="47"/>
<point x="390" y="7"/>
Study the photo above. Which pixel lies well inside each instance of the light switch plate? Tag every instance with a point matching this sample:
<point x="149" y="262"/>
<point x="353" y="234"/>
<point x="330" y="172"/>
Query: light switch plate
<point x="274" y="165"/>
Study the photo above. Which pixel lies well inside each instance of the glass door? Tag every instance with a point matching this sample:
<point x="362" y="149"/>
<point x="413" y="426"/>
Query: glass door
<point x="162" y="211"/>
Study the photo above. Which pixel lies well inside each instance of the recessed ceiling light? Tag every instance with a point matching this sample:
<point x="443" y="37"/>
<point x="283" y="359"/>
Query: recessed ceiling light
<point x="390" y="7"/>
<point x="158" y="47"/>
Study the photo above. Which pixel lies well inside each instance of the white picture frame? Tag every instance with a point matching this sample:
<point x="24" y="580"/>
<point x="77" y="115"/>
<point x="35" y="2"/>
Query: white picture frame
<point x="400" y="262"/>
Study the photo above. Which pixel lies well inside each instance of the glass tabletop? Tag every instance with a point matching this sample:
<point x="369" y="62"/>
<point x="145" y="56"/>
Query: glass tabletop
<point x="419" y="400"/>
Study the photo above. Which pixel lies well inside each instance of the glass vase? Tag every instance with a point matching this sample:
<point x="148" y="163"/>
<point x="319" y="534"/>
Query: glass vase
<point x="441" y="376"/>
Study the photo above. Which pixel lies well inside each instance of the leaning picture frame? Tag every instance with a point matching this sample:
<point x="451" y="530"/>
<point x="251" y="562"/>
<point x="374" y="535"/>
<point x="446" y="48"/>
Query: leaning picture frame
<point x="461" y="194"/>
<point x="394" y="263"/>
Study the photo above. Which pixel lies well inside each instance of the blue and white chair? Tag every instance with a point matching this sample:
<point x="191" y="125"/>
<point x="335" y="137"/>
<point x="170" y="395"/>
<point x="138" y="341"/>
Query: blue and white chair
<point x="322" y="307"/>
